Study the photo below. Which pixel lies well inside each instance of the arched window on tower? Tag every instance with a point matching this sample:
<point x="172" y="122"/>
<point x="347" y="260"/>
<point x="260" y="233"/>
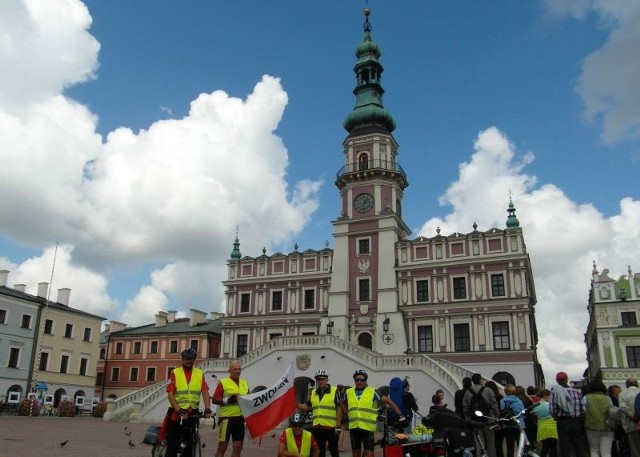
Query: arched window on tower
<point x="363" y="161"/>
<point x="364" y="77"/>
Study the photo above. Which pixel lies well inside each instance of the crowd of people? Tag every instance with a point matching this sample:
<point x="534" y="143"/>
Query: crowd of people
<point x="565" y="421"/>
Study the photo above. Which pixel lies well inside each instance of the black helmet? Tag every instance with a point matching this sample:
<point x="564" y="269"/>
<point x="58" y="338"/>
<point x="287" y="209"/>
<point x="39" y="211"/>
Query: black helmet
<point x="360" y="373"/>
<point x="296" y="419"/>
<point x="189" y="353"/>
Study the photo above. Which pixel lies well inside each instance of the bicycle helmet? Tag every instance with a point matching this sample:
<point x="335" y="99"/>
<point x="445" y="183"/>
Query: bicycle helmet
<point x="296" y="419"/>
<point x="189" y="353"/>
<point x="321" y="374"/>
<point x="360" y="373"/>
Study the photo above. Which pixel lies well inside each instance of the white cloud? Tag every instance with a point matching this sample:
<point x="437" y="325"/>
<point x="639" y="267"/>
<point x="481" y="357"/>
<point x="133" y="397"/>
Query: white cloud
<point x="171" y="194"/>
<point x="610" y="80"/>
<point x="56" y="267"/>
<point x="562" y="237"/>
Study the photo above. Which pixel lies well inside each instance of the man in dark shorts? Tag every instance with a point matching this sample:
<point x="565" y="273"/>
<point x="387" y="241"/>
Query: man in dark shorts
<point x="231" y="420"/>
<point x="361" y="404"/>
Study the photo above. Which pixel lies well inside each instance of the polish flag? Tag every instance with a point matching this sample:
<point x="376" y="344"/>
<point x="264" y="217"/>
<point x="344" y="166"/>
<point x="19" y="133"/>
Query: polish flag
<point x="265" y="410"/>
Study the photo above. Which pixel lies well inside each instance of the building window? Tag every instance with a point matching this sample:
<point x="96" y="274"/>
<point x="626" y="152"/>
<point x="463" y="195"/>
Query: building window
<point x="276" y="300"/>
<point x="274" y="335"/>
<point x="99" y="378"/>
<point x="14" y="358"/>
<point x="364" y="290"/>
<point x="87" y="334"/>
<point x="133" y="374"/>
<point x="422" y="291"/>
<point x="500" y="335"/>
<point x="151" y="374"/>
<point x="68" y="331"/>
<point x="242" y="345"/>
<point x="364" y="246"/>
<point x="26" y="321"/>
<point x="3" y="316"/>
<point x="44" y="361"/>
<point x="137" y="347"/>
<point x="115" y="374"/>
<point x="633" y="356"/>
<point x="153" y="347"/>
<point x="103" y="353"/>
<point x="194" y="345"/>
<point x="64" y="364"/>
<point x="173" y="346"/>
<point x="309" y="299"/>
<point x="119" y="348"/>
<point x="461" y="337"/>
<point x="629" y="319"/>
<point x="497" y="285"/>
<point x="459" y="288"/>
<point x="83" y="367"/>
<point x="245" y="299"/>
<point x="48" y="326"/>
<point x="425" y="338"/>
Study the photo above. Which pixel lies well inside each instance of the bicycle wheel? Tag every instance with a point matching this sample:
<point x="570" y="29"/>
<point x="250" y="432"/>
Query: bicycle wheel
<point x="196" y="450"/>
<point x="159" y="450"/>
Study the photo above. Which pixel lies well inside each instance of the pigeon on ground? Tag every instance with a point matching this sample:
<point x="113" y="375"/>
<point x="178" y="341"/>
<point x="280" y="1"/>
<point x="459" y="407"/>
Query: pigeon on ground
<point x="128" y="432"/>
<point x="131" y="445"/>
<point x="63" y="444"/>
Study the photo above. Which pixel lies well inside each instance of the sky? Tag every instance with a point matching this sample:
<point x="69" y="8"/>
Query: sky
<point x="137" y="137"/>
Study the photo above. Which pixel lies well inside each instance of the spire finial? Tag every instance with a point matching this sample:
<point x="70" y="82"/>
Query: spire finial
<point x="367" y="13"/>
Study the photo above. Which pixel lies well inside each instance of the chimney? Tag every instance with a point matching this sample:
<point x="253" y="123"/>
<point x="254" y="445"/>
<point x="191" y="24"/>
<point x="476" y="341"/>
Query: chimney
<point x="20" y="287"/>
<point x="116" y="326"/>
<point x="4" y="275"/>
<point x="215" y="315"/>
<point x="171" y="318"/>
<point x="161" y="319"/>
<point x="63" y="296"/>
<point x="196" y="317"/>
<point x="107" y="327"/>
<point x="43" y="287"/>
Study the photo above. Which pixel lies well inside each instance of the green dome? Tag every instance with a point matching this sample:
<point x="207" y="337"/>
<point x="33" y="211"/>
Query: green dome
<point x="512" y="220"/>
<point x="368" y="46"/>
<point x="369" y="114"/>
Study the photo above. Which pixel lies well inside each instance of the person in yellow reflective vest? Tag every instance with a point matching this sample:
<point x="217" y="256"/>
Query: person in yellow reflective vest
<point x="325" y="403"/>
<point x="295" y="441"/>
<point x="361" y="404"/>
<point x="186" y="387"/>
<point x="230" y="415"/>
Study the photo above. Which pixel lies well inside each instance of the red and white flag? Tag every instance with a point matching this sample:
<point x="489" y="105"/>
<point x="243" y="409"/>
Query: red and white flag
<point x="265" y="410"/>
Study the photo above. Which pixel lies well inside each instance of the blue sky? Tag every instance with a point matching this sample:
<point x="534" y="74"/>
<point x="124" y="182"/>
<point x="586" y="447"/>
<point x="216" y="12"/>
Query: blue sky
<point x="138" y="135"/>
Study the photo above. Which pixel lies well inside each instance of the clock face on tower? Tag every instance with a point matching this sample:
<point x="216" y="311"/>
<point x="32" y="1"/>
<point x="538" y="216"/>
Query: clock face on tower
<point x="363" y="203"/>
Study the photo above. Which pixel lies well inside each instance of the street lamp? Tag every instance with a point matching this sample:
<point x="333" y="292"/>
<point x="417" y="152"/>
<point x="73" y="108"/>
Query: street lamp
<point x="385" y="324"/>
<point x="329" y="327"/>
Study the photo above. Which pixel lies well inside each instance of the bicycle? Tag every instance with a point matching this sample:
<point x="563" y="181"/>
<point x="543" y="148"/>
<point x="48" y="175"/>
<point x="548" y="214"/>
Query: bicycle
<point x="192" y="426"/>
<point x="525" y="448"/>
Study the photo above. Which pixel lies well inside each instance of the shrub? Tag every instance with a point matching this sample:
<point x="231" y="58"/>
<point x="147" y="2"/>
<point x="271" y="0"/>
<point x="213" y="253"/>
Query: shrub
<point x="66" y="408"/>
<point x="99" y="409"/>
<point x="29" y="407"/>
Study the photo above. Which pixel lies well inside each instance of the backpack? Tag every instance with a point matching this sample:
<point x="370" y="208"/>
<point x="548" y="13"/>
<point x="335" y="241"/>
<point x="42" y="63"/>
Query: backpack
<point x="478" y="403"/>
<point x="152" y="434"/>
<point x="396" y="394"/>
<point x="507" y="412"/>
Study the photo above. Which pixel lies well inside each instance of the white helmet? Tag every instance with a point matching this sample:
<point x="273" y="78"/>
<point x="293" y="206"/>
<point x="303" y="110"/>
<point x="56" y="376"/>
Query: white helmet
<point x="321" y="374"/>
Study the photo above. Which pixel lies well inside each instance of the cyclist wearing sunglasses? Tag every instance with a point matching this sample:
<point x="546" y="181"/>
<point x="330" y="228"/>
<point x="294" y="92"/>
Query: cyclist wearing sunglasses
<point x="361" y="404"/>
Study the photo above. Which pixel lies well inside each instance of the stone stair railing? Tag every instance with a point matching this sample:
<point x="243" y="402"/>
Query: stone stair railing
<point x="132" y="407"/>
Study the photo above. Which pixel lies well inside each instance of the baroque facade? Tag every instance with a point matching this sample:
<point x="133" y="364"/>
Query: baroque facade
<point x="464" y="298"/>
<point x="613" y="334"/>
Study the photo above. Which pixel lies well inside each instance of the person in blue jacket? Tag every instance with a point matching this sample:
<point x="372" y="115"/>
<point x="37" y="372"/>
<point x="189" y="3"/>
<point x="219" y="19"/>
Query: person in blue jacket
<point x="511" y="431"/>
